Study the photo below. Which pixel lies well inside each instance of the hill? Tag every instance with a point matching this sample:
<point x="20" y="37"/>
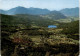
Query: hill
<point x="55" y="15"/>
<point x="70" y="12"/>
<point x="23" y="10"/>
<point x="27" y="20"/>
<point x="71" y="29"/>
<point x="2" y="11"/>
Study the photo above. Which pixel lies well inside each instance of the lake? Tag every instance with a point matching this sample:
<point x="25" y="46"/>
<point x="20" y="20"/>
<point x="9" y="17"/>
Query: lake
<point x="52" y="26"/>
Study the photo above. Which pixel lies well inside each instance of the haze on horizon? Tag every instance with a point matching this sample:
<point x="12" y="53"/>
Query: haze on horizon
<point x="44" y="4"/>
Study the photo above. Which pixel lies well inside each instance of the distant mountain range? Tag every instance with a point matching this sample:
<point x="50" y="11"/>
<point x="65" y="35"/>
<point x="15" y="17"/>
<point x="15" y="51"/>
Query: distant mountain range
<point x="22" y="10"/>
<point x="54" y="15"/>
<point x="70" y="11"/>
<point x="37" y="11"/>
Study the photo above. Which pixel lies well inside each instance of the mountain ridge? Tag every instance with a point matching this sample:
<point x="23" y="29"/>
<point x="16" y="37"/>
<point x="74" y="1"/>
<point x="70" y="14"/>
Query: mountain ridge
<point x="38" y="11"/>
<point x="23" y="10"/>
<point x="71" y="11"/>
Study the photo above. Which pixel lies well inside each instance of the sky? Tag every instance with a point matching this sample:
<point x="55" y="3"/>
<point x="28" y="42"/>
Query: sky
<point x="44" y="4"/>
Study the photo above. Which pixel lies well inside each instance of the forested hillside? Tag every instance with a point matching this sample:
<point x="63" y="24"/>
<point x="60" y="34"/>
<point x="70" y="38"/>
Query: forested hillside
<point x="72" y="30"/>
<point x="55" y="15"/>
<point x="24" y="34"/>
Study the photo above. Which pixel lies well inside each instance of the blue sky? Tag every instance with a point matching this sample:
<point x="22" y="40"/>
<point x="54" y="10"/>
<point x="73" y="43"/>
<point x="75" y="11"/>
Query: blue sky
<point x="49" y="4"/>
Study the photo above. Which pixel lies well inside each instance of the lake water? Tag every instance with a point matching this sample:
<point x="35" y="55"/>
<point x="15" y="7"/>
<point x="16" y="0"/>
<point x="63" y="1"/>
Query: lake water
<point x="52" y="26"/>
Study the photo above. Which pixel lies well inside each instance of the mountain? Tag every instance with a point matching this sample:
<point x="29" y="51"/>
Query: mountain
<point x="37" y="11"/>
<point x="23" y="10"/>
<point x="55" y="15"/>
<point x="2" y="12"/>
<point x="71" y="12"/>
<point x="45" y="13"/>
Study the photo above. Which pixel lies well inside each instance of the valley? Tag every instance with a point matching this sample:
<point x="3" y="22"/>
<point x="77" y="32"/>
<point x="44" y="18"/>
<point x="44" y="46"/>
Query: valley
<point x="29" y="35"/>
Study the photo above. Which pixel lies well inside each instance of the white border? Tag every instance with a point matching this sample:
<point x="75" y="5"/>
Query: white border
<point x="79" y="27"/>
